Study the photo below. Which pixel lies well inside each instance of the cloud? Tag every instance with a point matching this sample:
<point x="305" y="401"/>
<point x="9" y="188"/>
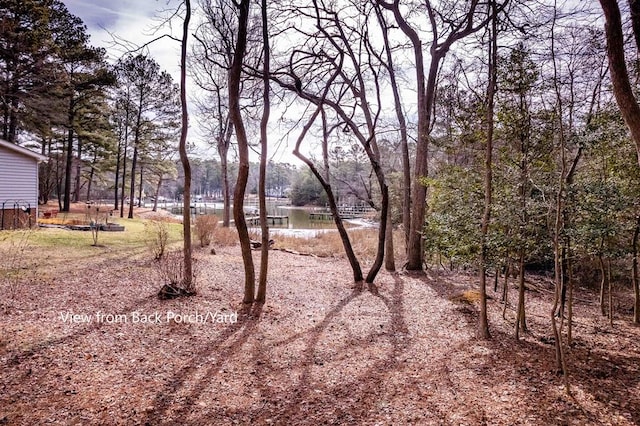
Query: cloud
<point x="97" y="14"/>
<point x="133" y="23"/>
<point x="137" y="22"/>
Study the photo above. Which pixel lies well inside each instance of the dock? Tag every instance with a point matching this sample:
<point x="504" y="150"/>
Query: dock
<point x="271" y="220"/>
<point x="314" y="216"/>
<point x="195" y="210"/>
<point x="345" y="212"/>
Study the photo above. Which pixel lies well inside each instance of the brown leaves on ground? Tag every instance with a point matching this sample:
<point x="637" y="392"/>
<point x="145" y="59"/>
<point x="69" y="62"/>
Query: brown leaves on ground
<point x="319" y="352"/>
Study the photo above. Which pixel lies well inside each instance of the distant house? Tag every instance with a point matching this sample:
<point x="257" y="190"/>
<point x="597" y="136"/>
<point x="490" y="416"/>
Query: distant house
<point x="18" y="186"/>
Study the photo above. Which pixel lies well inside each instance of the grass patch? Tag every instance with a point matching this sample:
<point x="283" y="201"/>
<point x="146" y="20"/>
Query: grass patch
<point x="329" y="244"/>
<point x="57" y="246"/>
<point x="64" y="248"/>
<point x="225" y="237"/>
<point x="64" y="221"/>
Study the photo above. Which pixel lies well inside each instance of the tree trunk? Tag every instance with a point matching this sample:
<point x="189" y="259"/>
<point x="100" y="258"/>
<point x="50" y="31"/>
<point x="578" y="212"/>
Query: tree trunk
<point x="5" y="119"/>
<point x="76" y="189"/>
<point x="384" y="214"/>
<point x="91" y="174"/>
<point x="603" y="283"/>
<point x="13" y="119"/>
<point x="610" y="292"/>
<point x="226" y="194"/>
<point x="622" y="89"/>
<point x="371" y="148"/>
<point x="415" y="254"/>
<point x="564" y="283"/>
<point x="634" y="273"/>
<point x="569" y="299"/>
<point x="243" y="151"/>
<point x="507" y="267"/>
<point x="134" y="159"/>
<point x="132" y="182"/>
<point x="264" y="251"/>
<point x="505" y="290"/>
<point x="124" y="177"/>
<point x="483" y="323"/>
<point x="69" y="161"/>
<point x="155" y="199"/>
<point x="389" y="259"/>
<point x="45" y="173"/>
<point x="559" y="254"/>
<point x="521" y="323"/>
<point x="188" y="283"/>
<point x="425" y="98"/>
<point x="140" y="186"/>
<point x="124" y="155"/>
<point x="115" y="182"/>
<point x="58" y="182"/>
<point x="561" y="365"/>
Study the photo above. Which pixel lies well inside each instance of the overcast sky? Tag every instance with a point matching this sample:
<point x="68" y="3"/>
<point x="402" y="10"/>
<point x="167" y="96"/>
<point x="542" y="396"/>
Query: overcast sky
<point x="135" y="20"/>
<point x="129" y="20"/>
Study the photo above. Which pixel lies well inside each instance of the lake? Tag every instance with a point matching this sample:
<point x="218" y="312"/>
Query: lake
<point x="298" y="216"/>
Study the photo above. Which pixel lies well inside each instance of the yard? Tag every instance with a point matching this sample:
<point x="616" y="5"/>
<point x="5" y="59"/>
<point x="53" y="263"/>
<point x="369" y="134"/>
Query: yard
<point x="85" y="340"/>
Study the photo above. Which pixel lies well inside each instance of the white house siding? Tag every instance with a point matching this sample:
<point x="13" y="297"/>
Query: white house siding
<point x="18" y="179"/>
<point x="18" y="186"/>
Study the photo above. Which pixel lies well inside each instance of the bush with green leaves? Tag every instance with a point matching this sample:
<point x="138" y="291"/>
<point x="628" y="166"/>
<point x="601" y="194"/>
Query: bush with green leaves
<point x="455" y="209"/>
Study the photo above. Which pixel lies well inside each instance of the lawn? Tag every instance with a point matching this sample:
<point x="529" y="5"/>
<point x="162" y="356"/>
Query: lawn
<point x="61" y="247"/>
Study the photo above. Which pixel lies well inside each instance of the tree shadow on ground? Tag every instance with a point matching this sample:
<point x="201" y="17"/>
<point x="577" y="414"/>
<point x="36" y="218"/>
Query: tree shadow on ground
<point x="178" y="398"/>
<point x="362" y="378"/>
<point x="600" y="373"/>
<point x="353" y="398"/>
<point x="16" y="356"/>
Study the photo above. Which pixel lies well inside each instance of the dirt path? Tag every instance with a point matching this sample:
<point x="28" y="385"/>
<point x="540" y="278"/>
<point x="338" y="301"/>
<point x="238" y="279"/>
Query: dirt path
<point x="319" y="352"/>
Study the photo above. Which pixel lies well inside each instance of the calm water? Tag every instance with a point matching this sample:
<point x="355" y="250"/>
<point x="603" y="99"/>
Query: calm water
<point x="298" y="217"/>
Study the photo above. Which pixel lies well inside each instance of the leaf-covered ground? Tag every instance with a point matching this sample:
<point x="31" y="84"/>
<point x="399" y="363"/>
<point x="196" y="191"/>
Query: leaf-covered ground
<point x="319" y="352"/>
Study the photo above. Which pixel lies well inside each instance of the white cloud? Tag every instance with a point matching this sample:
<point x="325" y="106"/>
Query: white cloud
<point x="138" y="23"/>
<point x="133" y="23"/>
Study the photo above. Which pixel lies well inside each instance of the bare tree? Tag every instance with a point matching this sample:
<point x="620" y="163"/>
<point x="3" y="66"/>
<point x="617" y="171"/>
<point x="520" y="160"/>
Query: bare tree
<point x="622" y="89"/>
<point x="558" y="223"/>
<point x="214" y="53"/>
<point x="333" y="206"/>
<point x="483" y="323"/>
<point x="235" y="113"/>
<point x="447" y="28"/>
<point x="319" y="101"/>
<point x="189" y="284"/>
<point x="634" y="273"/>
<point x="402" y="125"/>
<point x="352" y="93"/>
<point x="266" y="107"/>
